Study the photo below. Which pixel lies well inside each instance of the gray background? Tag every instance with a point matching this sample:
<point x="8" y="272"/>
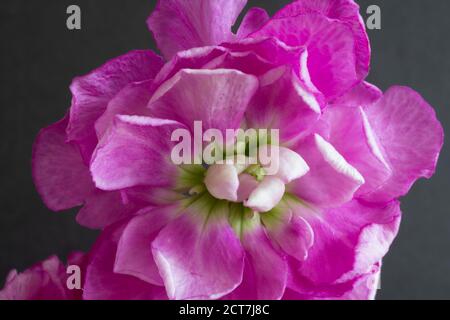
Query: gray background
<point x="39" y="58"/>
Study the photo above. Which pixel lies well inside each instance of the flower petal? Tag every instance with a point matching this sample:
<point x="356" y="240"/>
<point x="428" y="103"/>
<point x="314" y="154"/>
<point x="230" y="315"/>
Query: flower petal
<point x="221" y="104"/>
<point x="247" y="184"/>
<point x="222" y="182"/>
<point x="178" y="25"/>
<point x="331" y="180"/>
<point x="135" y="152"/>
<point x="346" y="11"/>
<point x="348" y="241"/>
<point x="265" y="270"/>
<point x="103" y="284"/>
<point x="353" y="137"/>
<point x="289" y="164"/>
<point x="91" y="93"/>
<point x="193" y="250"/>
<point x="254" y="19"/>
<point x="330" y="45"/>
<point x="61" y="178"/>
<point x="267" y="195"/>
<point x="411" y="136"/>
<point x="134" y="255"/>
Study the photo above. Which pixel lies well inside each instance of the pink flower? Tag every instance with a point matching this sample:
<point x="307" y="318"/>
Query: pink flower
<point x="317" y="229"/>
<point x="46" y="280"/>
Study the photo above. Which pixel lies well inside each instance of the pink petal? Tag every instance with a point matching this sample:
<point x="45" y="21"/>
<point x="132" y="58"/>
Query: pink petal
<point x="136" y="152"/>
<point x="199" y="258"/>
<point x="134" y="256"/>
<point x="178" y="25"/>
<point x="348" y="241"/>
<point x="103" y="208"/>
<point x="131" y="100"/>
<point x="285" y="105"/>
<point x="353" y="137"/>
<point x="247" y="184"/>
<point x="363" y="94"/>
<point x="346" y="11"/>
<point x="254" y="19"/>
<point x="330" y="45"/>
<point x="290" y="165"/>
<point x="411" y="136"/>
<point x="295" y="236"/>
<point x="222" y="182"/>
<point x="61" y="178"/>
<point x="102" y="283"/>
<point x="92" y="93"/>
<point x="265" y="271"/>
<point x="221" y="104"/>
<point x="267" y="195"/>
<point x="331" y="180"/>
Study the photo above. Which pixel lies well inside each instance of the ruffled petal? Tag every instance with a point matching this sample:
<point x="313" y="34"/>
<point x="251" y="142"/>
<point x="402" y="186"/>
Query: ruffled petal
<point x="135" y="152"/>
<point x="331" y="180"/>
<point x="92" y="93"/>
<point x="265" y="273"/>
<point x="102" y="283"/>
<point x="330" y="45"/>
<point x="134" y="255"/>
<point x="411" y="137"/>
<point x="179" y="25"/>
<point x="221" y="105"/>
<point x="348" y="241"/>
<point x="61" y="178"/>
<point x="253" y="21"/>
<point x="197" y="247"/>
<point x="346" y="11"/>
<point x="353" y="137"/>
<point x="283" y="103"/>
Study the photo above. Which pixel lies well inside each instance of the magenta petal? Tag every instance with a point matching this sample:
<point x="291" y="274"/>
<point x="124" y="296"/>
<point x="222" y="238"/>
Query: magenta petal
<point x="295" y="236"/>
<point x="351" y="134"/>
<point x="282" y="103"/>
<point x="330" y="45"/>
<point x="411" y="136"/>
<point x="103" y="284"/>
<point x="253" y="21"/>
<point x="60" y="176"/>
<point x="265" y="271"/>
<point x="131" y="100"/>
<point x="92" y="93"/>
<point x="363" y="94"/>
<point x="179" y="25"/>
<point x="103" y="208"/>
<point x="199" y="259"/>
<point x="331" y="180"/>
<point x="44" y="281"/>
<point x="135" y="152"/>
<point x="348" y="241"/>
<point x="346" y="11"/>
<point x="134" y="255"/>
<point x="221" y="105"/>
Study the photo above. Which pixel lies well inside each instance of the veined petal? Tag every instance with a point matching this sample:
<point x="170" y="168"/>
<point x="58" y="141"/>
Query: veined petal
<point x="331" y="180"/>
<point x="221" y="104"/>
<point x="91" y="93"/>
<point x="197" y="247"/>
<point x="134" y="255"/>
<point x="411" y="137"/>
<point x="178" y="25"/>
<point x="254" y="19"/>
<point x="136" y="152"/>
<point x="59" y="173"/>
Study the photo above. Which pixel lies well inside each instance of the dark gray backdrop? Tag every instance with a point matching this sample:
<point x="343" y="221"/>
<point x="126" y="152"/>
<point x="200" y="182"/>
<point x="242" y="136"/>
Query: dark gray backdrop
<point x="39" y="58"/>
